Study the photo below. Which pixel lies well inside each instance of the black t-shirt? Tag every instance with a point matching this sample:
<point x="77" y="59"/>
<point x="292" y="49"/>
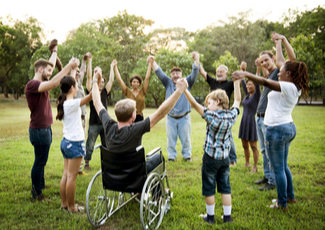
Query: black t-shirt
<point x="126" y="139"/>
<point x="93" y="117"/>
<point x="226" y="85"/>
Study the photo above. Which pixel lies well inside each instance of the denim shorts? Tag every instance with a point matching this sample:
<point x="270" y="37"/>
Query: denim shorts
<point x="215" y="171"/>
<point x="72" y="149"/>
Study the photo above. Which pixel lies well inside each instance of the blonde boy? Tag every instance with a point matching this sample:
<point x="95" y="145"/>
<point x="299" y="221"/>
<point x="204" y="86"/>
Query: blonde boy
<point x="216" y="161"/>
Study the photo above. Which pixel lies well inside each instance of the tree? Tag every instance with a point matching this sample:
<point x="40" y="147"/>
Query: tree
<point x="306" y="51"/>
<point x="18" y="43"/>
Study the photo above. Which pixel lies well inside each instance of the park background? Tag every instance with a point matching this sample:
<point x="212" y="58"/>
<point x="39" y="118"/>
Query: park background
<point x="130" y="38"/>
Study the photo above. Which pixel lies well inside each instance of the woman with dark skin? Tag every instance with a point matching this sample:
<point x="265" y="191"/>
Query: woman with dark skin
<point x="135" y="93"/>
<point x="280" y="129"/>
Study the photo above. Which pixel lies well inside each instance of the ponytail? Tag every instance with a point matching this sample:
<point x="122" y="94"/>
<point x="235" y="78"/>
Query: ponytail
<point x="65" y="84"/>
<point x="299" y="75"/>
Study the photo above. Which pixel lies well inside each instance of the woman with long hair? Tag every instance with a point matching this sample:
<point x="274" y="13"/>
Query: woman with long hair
<point x="280" y="129"/>
<point x="73" y="143"/>
<point x="135" y="93"/>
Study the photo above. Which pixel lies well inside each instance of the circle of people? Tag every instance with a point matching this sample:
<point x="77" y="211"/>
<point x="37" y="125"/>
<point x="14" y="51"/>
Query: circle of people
<point x="283" y="82"/>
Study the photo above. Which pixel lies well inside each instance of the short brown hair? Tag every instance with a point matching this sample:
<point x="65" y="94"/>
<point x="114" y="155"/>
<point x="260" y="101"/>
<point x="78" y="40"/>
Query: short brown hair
<point x="42" y="63"/>
<point x="136" y="77"/>
<point x="221" y="95"/>
<point x="176" y="68"/>
<point x="271" y="55"/>
<point x="124" y="109"/>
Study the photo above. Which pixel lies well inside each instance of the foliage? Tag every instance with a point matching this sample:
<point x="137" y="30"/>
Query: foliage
<point x="18" y="42"/>
<point x="307" y="51"/>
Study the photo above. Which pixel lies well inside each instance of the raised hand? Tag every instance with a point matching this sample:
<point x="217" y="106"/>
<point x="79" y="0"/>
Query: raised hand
<point x="150" y="59"/>
<point x="182" y="84"/>
<point x="114" y="63"/>
<point x="238" y="75"/>
<point x="275" y="36"/>
<point x="195" y="56"/>
<point x="257" y="62"/>
<point x="243" y="66"/>
<point x="74" y="63"/>
<point x="87" y="56"/>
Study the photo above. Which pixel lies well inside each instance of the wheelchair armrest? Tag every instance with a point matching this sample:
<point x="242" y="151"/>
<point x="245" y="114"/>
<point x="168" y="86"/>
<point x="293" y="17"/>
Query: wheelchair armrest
<point x="139" y="148"/>
<point x="153" y="152"/>
<point x="97" y="146"/>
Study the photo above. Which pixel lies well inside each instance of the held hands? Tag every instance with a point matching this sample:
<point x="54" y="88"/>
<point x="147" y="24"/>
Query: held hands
<point x="277" y="37"/>
<point x="196" y="56"/>
<point x="182" y="84"/>
<point x="150" y="59"/>
<point x="114" y="63"/>
<point x="98" y="75"/>
<point x="238" y="75"/>
<point x="87" y="56"/>
<point x="243" y="66"/>
<point x="74" y="63"/>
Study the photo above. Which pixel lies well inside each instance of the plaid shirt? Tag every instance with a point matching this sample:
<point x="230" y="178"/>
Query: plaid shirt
<point x="219" y="123"/>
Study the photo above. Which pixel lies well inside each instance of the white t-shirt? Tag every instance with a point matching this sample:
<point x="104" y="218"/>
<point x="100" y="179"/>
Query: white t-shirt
<point x="72" y="127"/>
<point x="281" y="104"/>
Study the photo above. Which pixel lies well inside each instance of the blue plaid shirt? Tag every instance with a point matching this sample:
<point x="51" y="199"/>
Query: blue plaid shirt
<point x="219" y="123"/>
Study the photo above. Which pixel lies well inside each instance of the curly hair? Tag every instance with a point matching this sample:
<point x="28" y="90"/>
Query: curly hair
<point x="136" y="77"/>
<point x="299" y="75"/>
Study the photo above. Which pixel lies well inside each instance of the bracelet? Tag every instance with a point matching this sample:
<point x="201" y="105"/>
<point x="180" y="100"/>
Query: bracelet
<point x="93" y="81"/>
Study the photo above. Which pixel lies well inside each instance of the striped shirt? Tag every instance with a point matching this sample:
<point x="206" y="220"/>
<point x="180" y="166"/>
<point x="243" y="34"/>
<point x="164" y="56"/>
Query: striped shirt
<point x="219" y="123"/>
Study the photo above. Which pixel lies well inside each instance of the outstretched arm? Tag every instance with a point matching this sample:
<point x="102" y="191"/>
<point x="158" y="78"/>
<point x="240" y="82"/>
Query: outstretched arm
<point x="195" y="70"/>
<point x="118" y="77"/>
<point x="89" y="75"/>
<point x="146" y="81"/>
<point x="203" y="73"/>
<point x="199" y="108"/>
<point x="277" y="38"/>
<point x="168" y="104"/>
<point x="55" y="81"/>
<point x="95" y="92"/>
<point x="54" y="55"/>
<point x="274" y="85"/>
<point x="86" y="99"/>
<point x="82" y="71"/>
<point x="237" y="94"/>
<point x="111" y="77"/>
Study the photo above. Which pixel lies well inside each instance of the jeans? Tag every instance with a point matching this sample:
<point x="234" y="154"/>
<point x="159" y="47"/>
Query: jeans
<point x="93" y="132"/>
<point x="232" y="151"/>
<point x="41" y="139"/>
<point x="180" y="127"/>
<point x="268" y="171"/>
<point x="278" y="139"/>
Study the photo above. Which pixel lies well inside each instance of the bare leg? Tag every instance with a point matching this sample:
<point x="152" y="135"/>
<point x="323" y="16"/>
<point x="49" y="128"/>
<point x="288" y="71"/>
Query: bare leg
<point x="73" y="168"/>
<point x="226" y="199"/>
<point x="210" y="200"/>
<point x="253" y="145"/>
<point x="63" y="183"/>
<point x="245" y="145"/>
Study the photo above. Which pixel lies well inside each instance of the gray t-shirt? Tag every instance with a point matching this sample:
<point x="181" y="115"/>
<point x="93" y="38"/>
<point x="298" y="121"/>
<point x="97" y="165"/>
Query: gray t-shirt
<point x="261" y="108"/>
<point x="126" y="139"/>
<point x="81" y="94"/>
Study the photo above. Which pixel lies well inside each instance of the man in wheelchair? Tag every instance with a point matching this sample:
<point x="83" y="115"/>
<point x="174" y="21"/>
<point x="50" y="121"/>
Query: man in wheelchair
<point x="124" y="135"/>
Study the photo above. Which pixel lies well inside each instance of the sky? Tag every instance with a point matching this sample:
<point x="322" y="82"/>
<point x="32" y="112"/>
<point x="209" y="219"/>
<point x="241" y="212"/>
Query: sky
<point x="60" y="16"/>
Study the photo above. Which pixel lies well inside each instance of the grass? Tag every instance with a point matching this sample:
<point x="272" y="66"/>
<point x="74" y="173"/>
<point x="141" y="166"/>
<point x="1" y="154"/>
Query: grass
<point x="306" y="161"/>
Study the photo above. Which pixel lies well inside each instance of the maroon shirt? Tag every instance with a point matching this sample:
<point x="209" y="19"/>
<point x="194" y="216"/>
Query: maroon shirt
<point x="39" y="106"/>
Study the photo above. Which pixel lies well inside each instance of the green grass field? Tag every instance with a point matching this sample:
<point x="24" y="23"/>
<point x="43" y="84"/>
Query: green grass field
<point x="306" y="161"/>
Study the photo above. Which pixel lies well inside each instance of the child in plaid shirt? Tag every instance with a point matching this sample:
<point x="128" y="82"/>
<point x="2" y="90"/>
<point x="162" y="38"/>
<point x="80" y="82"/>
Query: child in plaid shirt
<point x="215" y="166"/>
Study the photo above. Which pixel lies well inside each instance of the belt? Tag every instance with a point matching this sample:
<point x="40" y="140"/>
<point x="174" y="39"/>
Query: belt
<point x="179" y="116"/>
<point x="260" y="114"/>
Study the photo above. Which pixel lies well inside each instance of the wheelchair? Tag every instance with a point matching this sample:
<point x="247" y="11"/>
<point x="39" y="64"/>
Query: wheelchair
<point x="124" y="178"/>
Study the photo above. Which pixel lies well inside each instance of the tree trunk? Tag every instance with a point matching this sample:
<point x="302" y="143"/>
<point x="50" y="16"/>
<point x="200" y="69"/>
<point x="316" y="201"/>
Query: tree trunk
<point x="5" y="91"/>
<point x="17" y="94"/>
<point x="323" y="101"/>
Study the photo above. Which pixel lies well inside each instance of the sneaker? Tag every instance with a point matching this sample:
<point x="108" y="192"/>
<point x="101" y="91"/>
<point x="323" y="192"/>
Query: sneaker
<point x="289" y="201"/>
<point x="226" y="219"/>
<point x="170" y="159"/>
<point x="207" y="218"/>
<point x="233" y="164"/>
<point x="263" y="181"/>
<point x="87" y="167"/>
<point x="189" y="159"/>
<point x="266" y="187"/>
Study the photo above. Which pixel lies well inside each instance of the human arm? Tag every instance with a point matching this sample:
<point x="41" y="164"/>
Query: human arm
<point x="83" y="69"/>
<point x="111" y="77"/>
<point x="199" y="108"/>
<point x="160" y="74"/>
<point x="274" y="85"/>
<point x="118" y="77"/>
<point x="195" y="70"/>
<point x="202" y="72"/>
<point x="86" y="99"/>
<point x="89" y="74"/>
<point x="55" y="81"/>
<point x="168" y="104"/>
<point x="278" y="38"/>
<point x="54" y="56"/>
<point x="95" y="92"/>
<point x="237" y="94"/>
<point x="146" y="81"/>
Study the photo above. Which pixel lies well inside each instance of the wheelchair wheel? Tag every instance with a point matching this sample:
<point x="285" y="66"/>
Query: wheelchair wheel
<point x="96" y="201"/>
<point x="152" y="206"/>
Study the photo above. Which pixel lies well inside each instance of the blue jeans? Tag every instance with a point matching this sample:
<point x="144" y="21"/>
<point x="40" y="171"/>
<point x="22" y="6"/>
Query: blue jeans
<point x="278" y="139"/>
<point x="268" y="171"/>
<point x="182" y="128"/>
<point x="93" y="132"/>
<point x="41" y="139"/>
<point x="232" y="152"/>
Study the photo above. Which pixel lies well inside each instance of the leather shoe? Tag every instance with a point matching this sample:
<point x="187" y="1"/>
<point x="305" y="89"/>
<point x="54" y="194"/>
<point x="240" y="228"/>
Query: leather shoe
<point x="263" y="181"/>
<point x="266" y="187"/>
<point x="53" y="43"/>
